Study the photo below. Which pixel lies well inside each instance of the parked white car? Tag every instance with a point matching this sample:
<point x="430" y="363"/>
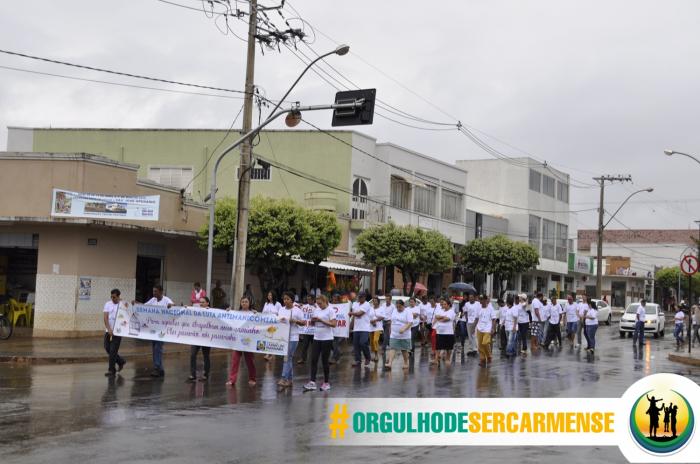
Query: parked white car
<point x="655" y="320"/>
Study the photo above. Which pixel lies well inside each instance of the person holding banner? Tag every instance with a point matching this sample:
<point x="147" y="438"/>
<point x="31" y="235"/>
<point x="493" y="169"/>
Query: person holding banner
<point x="290" y="312"/>
<point x="158" y="300"/>
<point x="203" y="303"/>
<point x="401" y="322"/>
<point x="323" y="321"/>
<point x="271" y="306"/>
<point x="360" y="336"/>
<point x="376" y="329"/>
<point x="237" y="355"/>
<point x="111" y="341"/>
<point x="444" y="327"/>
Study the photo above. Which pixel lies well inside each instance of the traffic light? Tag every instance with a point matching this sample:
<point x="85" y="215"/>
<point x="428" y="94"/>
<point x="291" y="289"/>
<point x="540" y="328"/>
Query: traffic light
<point x="354" y="116"/>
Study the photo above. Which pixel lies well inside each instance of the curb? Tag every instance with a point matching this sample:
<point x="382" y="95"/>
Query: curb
<point x="48" y="360"/>
<point x="688" y="360"/>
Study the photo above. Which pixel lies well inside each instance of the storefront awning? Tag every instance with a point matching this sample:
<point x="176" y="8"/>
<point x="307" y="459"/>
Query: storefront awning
<point x="339" y="267"/>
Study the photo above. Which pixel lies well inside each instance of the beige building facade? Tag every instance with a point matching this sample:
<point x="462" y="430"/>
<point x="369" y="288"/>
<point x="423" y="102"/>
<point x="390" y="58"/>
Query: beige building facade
<point x="104" y="253"/>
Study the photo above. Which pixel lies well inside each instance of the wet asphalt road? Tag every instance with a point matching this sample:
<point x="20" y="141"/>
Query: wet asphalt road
<point x="72" y="413"/>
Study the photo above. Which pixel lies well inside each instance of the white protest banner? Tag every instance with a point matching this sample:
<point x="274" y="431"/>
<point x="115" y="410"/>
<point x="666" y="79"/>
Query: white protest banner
<point x="308" y="329"/>
<point x="65" y="203"/>
<point x="342" y="311"/>
<point x="234" y="330"/>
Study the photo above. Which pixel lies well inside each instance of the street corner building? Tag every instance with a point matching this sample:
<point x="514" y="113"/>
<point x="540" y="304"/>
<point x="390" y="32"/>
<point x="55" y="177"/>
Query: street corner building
<point x="69" y="233"/>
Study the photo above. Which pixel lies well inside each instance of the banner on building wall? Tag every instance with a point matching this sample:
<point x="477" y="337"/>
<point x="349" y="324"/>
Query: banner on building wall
<point x="342" y="311"/>
<point x="65" y="203"/>
<point x="233" y="330"/>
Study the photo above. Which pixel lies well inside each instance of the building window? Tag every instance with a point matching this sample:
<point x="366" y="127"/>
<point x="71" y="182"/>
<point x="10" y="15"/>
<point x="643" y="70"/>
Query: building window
<point x="535" y="180"/>
<point x="400" y="193"/>
<point x="478" y="227"/>
<point x="257" y="173"/>
<point x="534" y="232"/>
<point x="548" y="186"/>
<point x="563" y="192"/>
<point x="424" y="200"/>
<point x="451" y="205"/>
<point x="562" y="242"/>
<point x="174" y="176"/>
<point x="548" y="238"/>
<point x="359" y="199"/>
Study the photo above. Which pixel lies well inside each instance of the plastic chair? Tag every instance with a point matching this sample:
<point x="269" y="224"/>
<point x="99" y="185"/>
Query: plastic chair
<point x="18" y="310"/>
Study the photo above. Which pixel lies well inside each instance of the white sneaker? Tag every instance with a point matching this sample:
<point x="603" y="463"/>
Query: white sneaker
<point x="310" y="386"/>
<point x="325" y="387"/>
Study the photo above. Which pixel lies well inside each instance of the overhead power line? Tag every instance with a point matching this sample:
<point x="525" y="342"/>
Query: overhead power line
<point x="121" y="73"/>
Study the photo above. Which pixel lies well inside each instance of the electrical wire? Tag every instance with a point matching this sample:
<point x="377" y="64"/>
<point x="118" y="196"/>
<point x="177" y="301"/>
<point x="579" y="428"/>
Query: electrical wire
<point x="120" y="84"/>
<point x="121" y="73"/>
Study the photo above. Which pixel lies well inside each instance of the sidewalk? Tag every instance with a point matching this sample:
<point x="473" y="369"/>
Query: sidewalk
<point x="692" y="359"/>
<point x="77" y="350"/>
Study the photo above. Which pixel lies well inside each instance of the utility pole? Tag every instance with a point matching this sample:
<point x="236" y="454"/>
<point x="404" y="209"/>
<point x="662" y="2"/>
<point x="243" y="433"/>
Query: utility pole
<point x="690" y="294"/>
<point x="601" y="211"/>
<point x="239" y="251"/>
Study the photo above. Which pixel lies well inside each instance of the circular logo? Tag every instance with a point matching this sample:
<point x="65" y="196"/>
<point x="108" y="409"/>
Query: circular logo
<point x="662" y="421"/>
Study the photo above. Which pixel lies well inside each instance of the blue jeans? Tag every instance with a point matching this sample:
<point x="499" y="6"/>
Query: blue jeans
<point x="590" y="335"/>
<point x="571" y="328"/>
<point x="638" y="332"/>
<point x="360" y="346"/>
<point x="461" y="330"/>
<point x="544" y="325"/>
<point x="157" y="355"/>
<point x="678" y="332"/>
<point x="288" y="366"/>
<point x="512" y="347"/>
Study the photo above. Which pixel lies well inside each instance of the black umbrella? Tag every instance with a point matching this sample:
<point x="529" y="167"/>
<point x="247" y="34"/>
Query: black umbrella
<point x="462" y="287"/>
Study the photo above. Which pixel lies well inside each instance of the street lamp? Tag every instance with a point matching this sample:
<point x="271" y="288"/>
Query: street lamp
<point x="601" y="227"/>
<point x="670" y="152"/>
<point x="340" y="50"/>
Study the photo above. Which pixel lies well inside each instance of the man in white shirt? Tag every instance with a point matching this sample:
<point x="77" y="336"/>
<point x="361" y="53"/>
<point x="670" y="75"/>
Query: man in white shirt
<point x="511" y="325"/>
<point x="571" y="318"/>
<point x="472" y="309"/>
<point x="639" y="325"/>
<point x="553" y="328"/>
<point x="158" y="300"/>
<point x="523" y="323"/>
<point x="111" y="341"/>
<point x="360" y="337"/>
<point x="485" y="328"/>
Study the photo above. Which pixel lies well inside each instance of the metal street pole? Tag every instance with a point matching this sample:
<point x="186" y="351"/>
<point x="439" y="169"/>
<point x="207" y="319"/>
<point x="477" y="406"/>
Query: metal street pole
<point x="211" y="198"/>
<point x="690" y="298"/>
<point x="673" y="152"/>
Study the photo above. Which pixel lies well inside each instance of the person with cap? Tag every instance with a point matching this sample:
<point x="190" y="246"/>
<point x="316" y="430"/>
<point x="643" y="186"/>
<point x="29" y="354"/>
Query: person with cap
<point x="360" y="312"/>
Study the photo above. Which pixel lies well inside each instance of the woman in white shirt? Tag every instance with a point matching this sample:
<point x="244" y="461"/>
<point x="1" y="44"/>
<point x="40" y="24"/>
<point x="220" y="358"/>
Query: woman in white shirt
<point x="583" y="308"/>
<point x="271" y="306"/>
<point x="401" y="322"/>
<point x="415" y="325"/>
<point x="444" y="327"/>
<point x="591" y="319"/>
<point x="292" y="313"/>
<point x="323" y="320"/>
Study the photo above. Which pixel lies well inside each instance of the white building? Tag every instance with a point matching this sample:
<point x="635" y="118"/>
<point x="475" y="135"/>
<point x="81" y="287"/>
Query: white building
<point x="534" y="198"/>
<point x="395" y="184"/>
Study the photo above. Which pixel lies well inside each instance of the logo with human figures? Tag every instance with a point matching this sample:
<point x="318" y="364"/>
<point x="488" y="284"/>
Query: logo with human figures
<point x="662" y="421"/>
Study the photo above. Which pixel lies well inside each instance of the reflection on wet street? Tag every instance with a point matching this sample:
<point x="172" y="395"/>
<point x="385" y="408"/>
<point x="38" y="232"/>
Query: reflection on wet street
<point x="72" y="413"/>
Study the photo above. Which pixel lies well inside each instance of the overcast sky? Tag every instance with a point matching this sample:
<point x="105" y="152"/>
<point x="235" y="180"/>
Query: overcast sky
<point x="595" y="87"/>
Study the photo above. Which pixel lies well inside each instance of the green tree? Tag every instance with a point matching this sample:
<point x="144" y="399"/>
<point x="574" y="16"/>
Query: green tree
<point x="278" y="231"/>
<point x="324" y="237"/>
<point x="410" y="249"/>
<point x="667" y="279"/>
<point x="499" y="256"/>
